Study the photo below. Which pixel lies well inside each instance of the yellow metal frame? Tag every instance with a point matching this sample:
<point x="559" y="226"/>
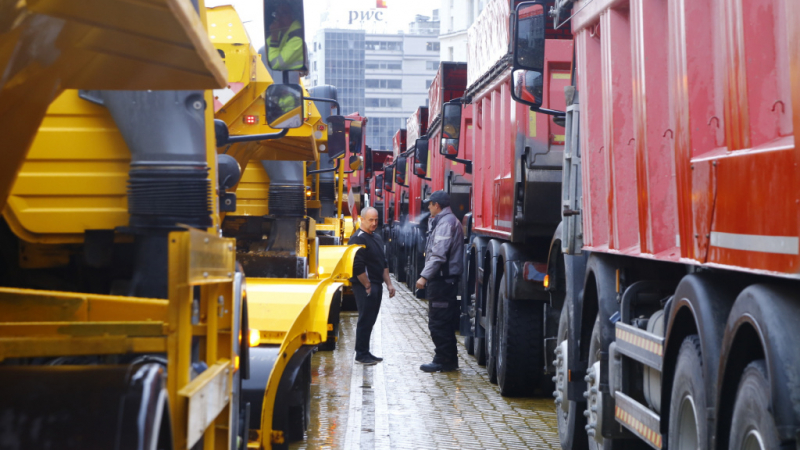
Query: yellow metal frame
<point x="37" y="323"/>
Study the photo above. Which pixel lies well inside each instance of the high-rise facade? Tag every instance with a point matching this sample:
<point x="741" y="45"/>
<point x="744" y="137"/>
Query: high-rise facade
<point x="337" y="58"/>
<point x="383" y="76"/>
<point x="456" y="18"/>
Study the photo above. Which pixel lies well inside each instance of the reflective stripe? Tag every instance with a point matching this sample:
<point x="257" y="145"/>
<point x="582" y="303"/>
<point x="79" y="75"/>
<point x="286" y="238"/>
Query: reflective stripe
<point x="786" y="245"/>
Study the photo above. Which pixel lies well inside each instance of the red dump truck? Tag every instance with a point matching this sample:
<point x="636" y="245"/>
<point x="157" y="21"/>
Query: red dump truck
<point x="676" y="262"/>
<point x="413" y="221"/>
<point x="508" y="316"/>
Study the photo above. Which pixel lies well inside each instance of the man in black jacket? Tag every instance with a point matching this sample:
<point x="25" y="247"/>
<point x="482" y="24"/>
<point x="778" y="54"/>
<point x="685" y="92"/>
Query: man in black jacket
<point x="370" y="269"/>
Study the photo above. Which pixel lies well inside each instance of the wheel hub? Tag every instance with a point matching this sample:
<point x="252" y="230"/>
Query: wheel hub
<point x="561" y="379"/>
<point x="594" y="403"/>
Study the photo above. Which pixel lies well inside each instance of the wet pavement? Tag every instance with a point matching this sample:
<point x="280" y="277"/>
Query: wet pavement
<point x="394" y="405"/>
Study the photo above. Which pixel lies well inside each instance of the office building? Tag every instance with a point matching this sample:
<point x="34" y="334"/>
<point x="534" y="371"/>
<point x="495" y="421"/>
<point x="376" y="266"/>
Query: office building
<point x="383" y="76"/>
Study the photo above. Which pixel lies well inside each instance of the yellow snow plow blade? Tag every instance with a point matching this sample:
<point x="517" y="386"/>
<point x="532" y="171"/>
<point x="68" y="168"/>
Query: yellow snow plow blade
<point x="336" y="261"/>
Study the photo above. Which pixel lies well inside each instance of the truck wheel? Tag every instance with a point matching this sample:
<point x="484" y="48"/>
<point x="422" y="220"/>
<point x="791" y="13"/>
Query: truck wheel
<point x="491" y="330"/>
<point x="519" y="344"/>
<point x="687" y="417"/>
<point x="753" y="427"/>
<point x="594" y="399"/>
<point x="479" y="349"/>
<point x="569" y="413"/>
<point x="399" y="267"/>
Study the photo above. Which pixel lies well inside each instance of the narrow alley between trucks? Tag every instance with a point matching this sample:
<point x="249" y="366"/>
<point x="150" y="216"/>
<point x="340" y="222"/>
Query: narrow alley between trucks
<point x="394" y="405"/>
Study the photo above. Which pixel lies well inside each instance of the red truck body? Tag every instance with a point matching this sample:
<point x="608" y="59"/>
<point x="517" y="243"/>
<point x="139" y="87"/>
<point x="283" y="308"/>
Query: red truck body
<point x="704" y="169"/>
<point x="502" y="130"/>
<point x="672" y="276"/>
<point x="448" y="84"/>
<point x="416" y="126"/>
<point x="398" y="191"/>
<point x="355" y="180"/>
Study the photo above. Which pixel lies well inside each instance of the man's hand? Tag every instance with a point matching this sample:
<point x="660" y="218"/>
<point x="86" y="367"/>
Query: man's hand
<point x="421" y="283"/>
<point x="368" y="287"/>
<point x="391" y="290"/>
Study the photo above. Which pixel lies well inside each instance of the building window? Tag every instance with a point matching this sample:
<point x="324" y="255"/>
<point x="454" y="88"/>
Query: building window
<point x="383" y="103"/>
<point x="315" y="65"/>
<point x="384" y="84"/>
<point x="386" y="65"/>
<point x="431" y="65"/>
<point x="432" y="47"/>
<point x="428" y="84"/>
<point x="383" y="45"/>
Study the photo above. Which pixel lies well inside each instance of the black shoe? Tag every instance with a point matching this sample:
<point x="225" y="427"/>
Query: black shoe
<point x="436" y="367"/>
<point x="367" y="361"/>
<point x="376" y="358"/>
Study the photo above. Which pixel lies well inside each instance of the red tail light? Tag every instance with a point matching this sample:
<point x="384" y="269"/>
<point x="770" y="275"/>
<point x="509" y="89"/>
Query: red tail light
<point x="251" y="120"/>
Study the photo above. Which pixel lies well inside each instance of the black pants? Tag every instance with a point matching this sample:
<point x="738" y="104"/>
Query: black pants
<point x="443" y="310"/>
<point x="368" y="308"/>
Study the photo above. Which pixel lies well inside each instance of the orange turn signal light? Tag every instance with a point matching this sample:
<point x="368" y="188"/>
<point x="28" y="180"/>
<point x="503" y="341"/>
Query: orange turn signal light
<point x="255" y="338"/>
<point x="546" y="281"/>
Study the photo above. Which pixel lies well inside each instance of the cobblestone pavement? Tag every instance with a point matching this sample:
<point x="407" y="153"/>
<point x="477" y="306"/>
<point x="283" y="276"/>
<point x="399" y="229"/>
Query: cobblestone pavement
<point x="394" y="405"/>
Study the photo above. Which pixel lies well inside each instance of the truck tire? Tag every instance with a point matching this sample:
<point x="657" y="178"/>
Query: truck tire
<point x="688" y="427"/>
<point x="399" y="259"/>
<point x="571" y="422"/>
<point x="519" y="344"/>
<point x="598" y="442"/>
<point x="753" y="426"/>
<point x="491" y="330"/>
<point x="479" y="350"/>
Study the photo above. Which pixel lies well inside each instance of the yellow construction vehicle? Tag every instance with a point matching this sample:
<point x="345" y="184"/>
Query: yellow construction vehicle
<point x="123" y="316"/>
<point x="266" y="212"/>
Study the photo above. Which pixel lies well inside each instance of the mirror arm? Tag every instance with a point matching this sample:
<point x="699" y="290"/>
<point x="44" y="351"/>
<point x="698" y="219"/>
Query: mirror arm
<point x="324" y="100"/>
<point x="332" y="169"/>
<point x="349" y="171"/>
<point x="551" y="112"/>
<point x="256" y="137"/>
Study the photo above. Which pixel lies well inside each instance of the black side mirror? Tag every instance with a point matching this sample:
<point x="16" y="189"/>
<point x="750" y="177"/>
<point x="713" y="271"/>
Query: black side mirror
<point x="379" y="186"/>
<point x="356" y="136"/>
<point x="284" y="103"/>
<point x="337" y="137"/>
<point x="356" y="162"/>
<point x="400" y="171"/>
<point x="529" y="45"/>
<point x="451" y="130"/>
<point x="421" y="157"/>
<point x="387" y="179"/>
<point x="284" y="34"/>
<point x="368" y="169"/>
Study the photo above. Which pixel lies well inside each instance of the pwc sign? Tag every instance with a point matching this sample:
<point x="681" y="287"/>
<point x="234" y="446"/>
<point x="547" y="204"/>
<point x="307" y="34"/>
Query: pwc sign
<point x="362" y="16"/>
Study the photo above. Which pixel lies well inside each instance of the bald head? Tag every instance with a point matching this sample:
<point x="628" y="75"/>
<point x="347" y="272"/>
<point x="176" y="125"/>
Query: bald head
<point x="369" y="219"/>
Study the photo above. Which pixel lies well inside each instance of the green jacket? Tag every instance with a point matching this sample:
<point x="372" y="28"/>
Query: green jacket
<point x="287" y="53"/>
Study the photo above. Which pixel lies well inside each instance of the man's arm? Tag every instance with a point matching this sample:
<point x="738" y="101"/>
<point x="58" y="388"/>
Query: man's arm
<point x="360" y="263"/>
<point x="438" y="254"/>
<point x="388" y="280"/>
<point x="364" y="280"/>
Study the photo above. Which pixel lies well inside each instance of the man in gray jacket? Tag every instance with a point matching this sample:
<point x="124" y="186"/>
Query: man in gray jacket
<point x="444" y="252"/>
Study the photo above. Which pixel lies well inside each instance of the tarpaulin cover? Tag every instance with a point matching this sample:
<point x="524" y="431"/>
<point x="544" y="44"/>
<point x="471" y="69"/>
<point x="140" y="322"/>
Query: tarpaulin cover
<point x="487" y="39"/>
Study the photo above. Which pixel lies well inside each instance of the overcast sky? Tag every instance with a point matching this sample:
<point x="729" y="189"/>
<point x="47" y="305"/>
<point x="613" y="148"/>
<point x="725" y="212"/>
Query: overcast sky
<point x="398" y="14"/>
